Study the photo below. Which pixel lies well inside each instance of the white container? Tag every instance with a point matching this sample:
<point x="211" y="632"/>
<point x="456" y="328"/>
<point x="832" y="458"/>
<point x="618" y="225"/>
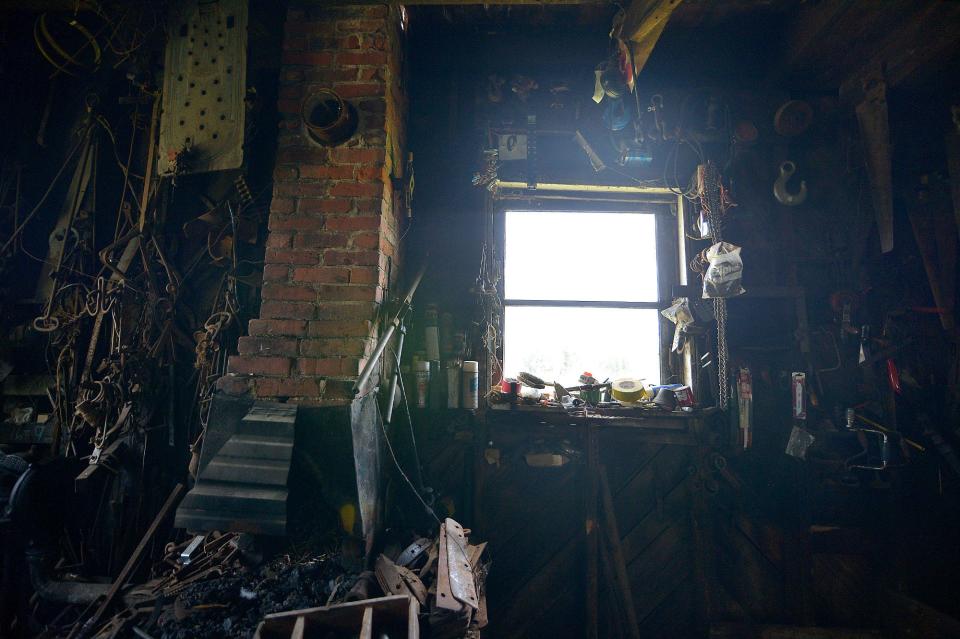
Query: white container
<point x="421" y="372"/>
<point x="471" y="385"/>
<point x="453" y="385"/>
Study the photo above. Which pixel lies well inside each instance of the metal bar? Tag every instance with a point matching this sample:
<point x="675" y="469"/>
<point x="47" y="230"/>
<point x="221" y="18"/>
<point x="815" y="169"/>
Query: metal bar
<point x="132" y="562"/>
<point x="391" y="329"/>
<point x="392" y="394"/>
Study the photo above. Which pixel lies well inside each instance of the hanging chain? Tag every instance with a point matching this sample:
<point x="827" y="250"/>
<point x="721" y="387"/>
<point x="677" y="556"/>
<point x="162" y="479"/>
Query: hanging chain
<point x="711" y="196"/>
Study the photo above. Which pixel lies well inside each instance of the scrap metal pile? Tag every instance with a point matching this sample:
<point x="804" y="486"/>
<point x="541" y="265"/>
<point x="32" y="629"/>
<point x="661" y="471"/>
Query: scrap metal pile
<point x="218" y="586"/>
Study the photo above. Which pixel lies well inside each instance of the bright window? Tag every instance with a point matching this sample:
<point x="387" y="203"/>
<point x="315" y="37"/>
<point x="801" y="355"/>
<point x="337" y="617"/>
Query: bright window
<point x="580" y="294"/>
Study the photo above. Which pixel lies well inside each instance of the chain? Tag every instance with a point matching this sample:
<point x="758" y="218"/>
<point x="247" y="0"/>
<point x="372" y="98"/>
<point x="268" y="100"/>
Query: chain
<point x="712" y="197"/>
<point x="720" y="311"/>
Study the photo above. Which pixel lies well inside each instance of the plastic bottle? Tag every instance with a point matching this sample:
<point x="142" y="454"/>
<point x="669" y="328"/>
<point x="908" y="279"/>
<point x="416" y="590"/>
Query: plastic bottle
<point x="471" y="385"/>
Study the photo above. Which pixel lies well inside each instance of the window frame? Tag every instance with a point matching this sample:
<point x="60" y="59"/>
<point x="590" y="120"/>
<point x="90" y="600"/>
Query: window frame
<point x="667" y="209"/>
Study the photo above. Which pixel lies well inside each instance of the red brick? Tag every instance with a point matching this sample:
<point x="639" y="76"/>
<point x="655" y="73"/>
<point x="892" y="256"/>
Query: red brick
<point x="368" y="240"/>
<point x="266" y="387"/>
<point x="350" y="42"/>
<point x="339" y="328"/>
<point x="325" y="205"/>
<point x="315" y="59"/>
<point x="315" y="366"/>
<point x="327" y="75"/>
<point x="376" y="41"/>
<point x="295" y="328"/>
<point x="283" y="205"/>
<point x="294" y="43"/>
<point x="279" y="240"/>
<point x="346" y="311"/>
<point x="370" y="207"/>
<point x="284" y="174"/>
<point x="351" y="366"/>
<point x="334" y="347"/>
<point x="302" y="155"/>
<point x="301" y="26"/>
<point x="346" y="155"/>
<point x="233" y="384"/>
<point x="359" y="90"/>
<point x="361" y="223"/>
<point x="275" y="272"/>
<point x="295" y="223"/>
<point x="277" y="309"/>
<point x="289" y="105"/>
<point x="301" y="189"/>
<point x="365" y="275"/>
<point x="291" y="75"/>
<point x="345" y="293"/>
<point x="337" y="257"/>
<point x="322" y="172"/>
<point x="284" y="256"/>
<point x="320" y="240"/>
<point x="251" y="365"/>
<point x="256" y="345"/>
<point x="323" y="274"/>
<point x="356" y="189"/>
<point x="301" y="387"/>
<point x="288" y="293"/>
<point x="370" y="73"/>
<point x="369" y="173"/>
<point x="353" y="26"/>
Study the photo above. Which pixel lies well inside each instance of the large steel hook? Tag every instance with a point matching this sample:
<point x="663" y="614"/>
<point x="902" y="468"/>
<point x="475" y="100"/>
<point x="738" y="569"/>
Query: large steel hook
<point x="787" y="169"/>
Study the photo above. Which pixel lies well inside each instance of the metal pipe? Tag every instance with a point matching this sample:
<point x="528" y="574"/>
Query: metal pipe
<point x="388" y="333"/>
<point x="391" y="396"/>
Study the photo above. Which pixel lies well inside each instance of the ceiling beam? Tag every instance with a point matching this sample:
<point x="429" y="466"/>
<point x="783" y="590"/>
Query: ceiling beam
<point x="410" y="3"/>
<point x="643" y="24"/>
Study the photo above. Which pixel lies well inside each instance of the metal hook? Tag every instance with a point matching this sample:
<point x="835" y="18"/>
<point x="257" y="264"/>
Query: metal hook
<point x="787" y="169"/>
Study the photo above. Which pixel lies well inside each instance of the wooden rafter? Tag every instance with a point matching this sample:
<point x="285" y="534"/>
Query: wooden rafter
<point x="643" y="25"/>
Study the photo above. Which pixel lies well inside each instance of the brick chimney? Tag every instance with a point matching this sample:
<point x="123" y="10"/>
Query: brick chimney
<point x="333" y="224"/>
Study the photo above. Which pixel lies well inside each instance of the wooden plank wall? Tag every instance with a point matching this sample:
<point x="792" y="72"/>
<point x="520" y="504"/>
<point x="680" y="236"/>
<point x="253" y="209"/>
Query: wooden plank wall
<point x="747" y="570"/>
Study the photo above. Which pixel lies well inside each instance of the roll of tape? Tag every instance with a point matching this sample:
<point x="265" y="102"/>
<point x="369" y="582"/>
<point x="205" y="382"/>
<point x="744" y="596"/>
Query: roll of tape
<point x="628" y="390"/>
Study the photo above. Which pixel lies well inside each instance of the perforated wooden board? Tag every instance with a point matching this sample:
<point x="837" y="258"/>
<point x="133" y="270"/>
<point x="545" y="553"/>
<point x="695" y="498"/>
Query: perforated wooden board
<point x="204" y="85"/>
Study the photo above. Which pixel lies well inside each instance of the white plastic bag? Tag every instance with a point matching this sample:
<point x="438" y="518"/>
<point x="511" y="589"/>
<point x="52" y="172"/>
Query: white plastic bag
<point x="724" y="272"/>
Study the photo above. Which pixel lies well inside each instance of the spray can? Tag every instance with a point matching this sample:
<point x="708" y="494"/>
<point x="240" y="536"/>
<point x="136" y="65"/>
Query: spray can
<point x="453" y="384"/>
<point x="421" y="371"/>
<point x="471" y="385"/>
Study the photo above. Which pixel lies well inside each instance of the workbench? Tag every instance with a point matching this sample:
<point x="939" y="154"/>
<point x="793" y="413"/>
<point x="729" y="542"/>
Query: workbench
<point x="545" y="524"/>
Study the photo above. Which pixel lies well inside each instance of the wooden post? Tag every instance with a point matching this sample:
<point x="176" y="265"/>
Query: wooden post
<point x="591" y="600"/>
<point x="612" y="536"/>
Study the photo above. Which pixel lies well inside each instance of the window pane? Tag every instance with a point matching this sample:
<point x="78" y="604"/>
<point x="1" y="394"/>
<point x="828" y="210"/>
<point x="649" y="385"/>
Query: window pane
<point x="558" y="344"/>
<point x="580" y="256"/>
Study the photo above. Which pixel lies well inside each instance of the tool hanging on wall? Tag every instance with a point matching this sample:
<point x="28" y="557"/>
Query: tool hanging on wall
<point x="787" y="169"/>
<point x="745" y="406"/>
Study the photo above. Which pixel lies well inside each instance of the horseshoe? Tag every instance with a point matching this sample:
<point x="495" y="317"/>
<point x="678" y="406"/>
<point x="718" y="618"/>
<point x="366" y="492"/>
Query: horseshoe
<point x="787" y="169"/>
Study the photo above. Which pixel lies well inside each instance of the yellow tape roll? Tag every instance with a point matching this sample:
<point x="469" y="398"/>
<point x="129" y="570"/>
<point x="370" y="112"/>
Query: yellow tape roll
<point x="629" y="390"/>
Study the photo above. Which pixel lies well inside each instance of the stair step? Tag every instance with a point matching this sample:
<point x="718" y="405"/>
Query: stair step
<point x="257" y="447"/>
<point x="213" y="495"/>
<point x="247" y="470"/>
